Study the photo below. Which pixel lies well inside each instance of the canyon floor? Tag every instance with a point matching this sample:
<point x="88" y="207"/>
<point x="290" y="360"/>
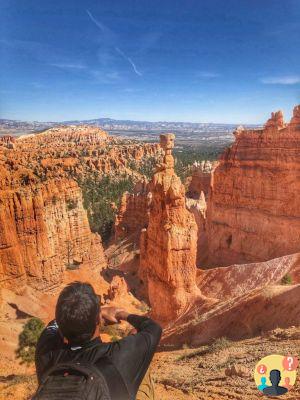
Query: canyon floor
<point x="198" y="373"/>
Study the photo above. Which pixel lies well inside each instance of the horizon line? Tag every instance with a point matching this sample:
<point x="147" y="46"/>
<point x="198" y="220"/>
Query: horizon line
<point x="129" y="120"/>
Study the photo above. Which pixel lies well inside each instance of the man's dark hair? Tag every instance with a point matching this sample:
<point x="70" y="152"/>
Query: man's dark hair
<point x="77" y="312"/>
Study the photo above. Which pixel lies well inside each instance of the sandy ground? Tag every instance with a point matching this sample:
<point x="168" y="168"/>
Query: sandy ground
<point x="198" y="373"/>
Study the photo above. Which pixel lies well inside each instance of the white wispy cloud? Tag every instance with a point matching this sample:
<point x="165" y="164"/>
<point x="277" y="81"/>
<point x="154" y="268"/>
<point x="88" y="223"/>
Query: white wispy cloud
<point x="68" y="65"/>
<point x="111" y="44"/>
<point x="96" y="22"/>
<point x="129" y="60"/>
<point x="281" y="80"/>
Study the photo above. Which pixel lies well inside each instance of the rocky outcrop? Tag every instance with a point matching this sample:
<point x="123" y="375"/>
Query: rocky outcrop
<point x="43" y="231"/>
<point x="249" y="300"/>
<point x="75" y="151"/>
<point x="7" y="141"/>
<point x="118" y="289"/>
<point x="133" y="212"/>
<point x="254" y="209"/>
<point x="200" y="180"/>
<point x="198" y="209"/>
<point x="43" y="226"/>
<point x="67" y="135"/>
<point x="169" y="244"/>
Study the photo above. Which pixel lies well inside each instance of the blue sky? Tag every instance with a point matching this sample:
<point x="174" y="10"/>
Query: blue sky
<point x="174" y="60"/>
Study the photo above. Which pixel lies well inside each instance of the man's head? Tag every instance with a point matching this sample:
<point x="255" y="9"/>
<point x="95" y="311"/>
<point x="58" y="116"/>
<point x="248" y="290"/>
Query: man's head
<point x="77" y="312"/>
<point x="275" y="377"/>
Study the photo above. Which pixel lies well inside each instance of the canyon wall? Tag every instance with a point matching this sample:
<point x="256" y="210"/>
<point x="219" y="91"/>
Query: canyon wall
<point x="169" y="244"/>
<point x="133" y="212"/>
<point x="44" y="230"/>
<point x="200" y="179"/>
<point x="254" y="209"/>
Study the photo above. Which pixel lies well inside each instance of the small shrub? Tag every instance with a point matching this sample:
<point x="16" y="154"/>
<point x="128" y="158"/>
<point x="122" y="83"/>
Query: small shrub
<point x="219" y="344"/>
<point x="71" y="205"/>
<point x="28" y="339"/>
<point x="144" y="307"/>
<point x="287" y="280"/>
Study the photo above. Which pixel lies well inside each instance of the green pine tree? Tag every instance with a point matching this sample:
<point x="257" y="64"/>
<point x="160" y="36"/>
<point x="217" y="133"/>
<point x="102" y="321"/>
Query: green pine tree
<point x="28" y="339"/>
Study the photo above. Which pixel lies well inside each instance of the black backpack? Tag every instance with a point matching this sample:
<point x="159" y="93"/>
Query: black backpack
<point x="82" y="381"/>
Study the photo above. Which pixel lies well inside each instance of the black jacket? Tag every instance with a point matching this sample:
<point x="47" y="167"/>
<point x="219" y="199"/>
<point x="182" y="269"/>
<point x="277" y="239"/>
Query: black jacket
<point x="131" y="355"/>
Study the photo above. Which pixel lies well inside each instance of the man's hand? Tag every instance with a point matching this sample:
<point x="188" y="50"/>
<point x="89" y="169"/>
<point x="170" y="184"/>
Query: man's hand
<point x="113" y="315"/>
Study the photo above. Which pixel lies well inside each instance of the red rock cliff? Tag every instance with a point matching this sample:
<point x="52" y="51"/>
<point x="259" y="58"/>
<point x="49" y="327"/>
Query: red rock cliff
<point x="43" y="230"/>
<point x="169" y="244"/>
<point x="133" y="213"/>
<point x="254" y="210"/>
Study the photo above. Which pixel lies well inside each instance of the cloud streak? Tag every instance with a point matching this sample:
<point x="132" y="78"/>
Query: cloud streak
<point x="129" y="60"/>
<point x="68" y="66"/>
<point x="281" y="80"/>
<point x="97" y="23"/>
<point x="110" y="37"/>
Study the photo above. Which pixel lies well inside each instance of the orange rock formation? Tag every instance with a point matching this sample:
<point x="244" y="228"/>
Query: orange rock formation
<point x="43" y="230"/>
<point x="169" y="244"/>
<point x="200" y="180"/>
<point x="249" y="300"/>
<point x="133" y="212"/>
<point x="43" y="226"/>
<point x="254" y="209"/>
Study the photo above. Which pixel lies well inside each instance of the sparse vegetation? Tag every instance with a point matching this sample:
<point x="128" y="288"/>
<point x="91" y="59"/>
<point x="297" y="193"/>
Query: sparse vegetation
<point x="144" y="307"/>
<point x="187" y="155"/>
<point x="71" y="204"/>
<point x="287" y="280"/>
<point x="28" y="339"/>
<point x="220" y="344"/>
<point x="98" y="194"/>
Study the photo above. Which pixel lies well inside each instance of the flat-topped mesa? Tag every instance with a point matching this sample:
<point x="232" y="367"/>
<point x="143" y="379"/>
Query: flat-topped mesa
<point x="83" y="134"/>
<point x="169" y="244"/>
<point x="254" y="209"/>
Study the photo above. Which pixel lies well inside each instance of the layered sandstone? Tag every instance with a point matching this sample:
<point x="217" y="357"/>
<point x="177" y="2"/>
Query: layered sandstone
<point x="254" y="209"/>
<point x="74" y="151"/>
<point x="43" y="231"/>
<point x="249" y="300"/>
<point x="200" y="180"/>
<point x="133" y="212"/>
<point x="197" y="193"/>
<point x="169" y="244"/>
<point x="43" y="226"/>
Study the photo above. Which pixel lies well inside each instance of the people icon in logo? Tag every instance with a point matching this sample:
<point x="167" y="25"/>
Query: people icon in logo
<point x="276" y="374"/>
<point x="287" y="383"/>
<point x="263" y="384"/>
<point x="275" y="389"/>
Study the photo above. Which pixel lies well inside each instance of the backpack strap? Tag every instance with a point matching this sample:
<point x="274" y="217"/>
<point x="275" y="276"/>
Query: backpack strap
<point x="115" y="382"/>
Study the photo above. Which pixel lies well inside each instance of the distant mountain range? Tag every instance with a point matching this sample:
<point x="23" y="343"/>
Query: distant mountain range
<point x="112" y="124"/>
<point x="186" y="132"/>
